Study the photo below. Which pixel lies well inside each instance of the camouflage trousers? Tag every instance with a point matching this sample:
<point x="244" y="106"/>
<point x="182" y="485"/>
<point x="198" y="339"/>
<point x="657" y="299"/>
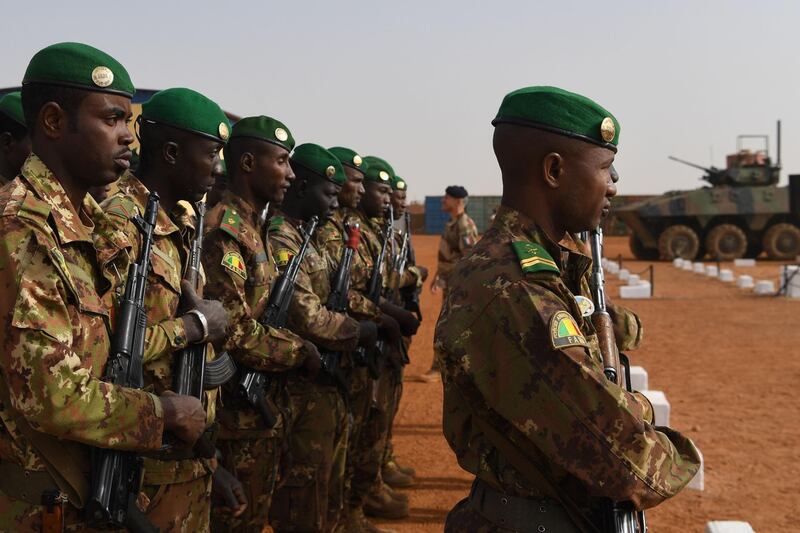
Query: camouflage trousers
<point x="360" y="400"/>
<point x="255" y="463"/>
<point x="395" y="395"/>
<point x="19" y="516"/>
<point x="182" y="507"/>
<point x="310" y="498"/>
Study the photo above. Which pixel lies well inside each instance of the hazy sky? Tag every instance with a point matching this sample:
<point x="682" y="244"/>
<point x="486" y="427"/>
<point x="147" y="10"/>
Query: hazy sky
<point x="419" y="82"/>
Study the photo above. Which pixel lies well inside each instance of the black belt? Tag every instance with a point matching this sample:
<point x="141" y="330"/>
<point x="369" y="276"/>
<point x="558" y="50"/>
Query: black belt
<point x="523" y="515"/>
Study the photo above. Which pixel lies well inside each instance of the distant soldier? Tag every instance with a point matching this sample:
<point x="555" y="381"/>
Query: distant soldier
<point x="553" y="442"/>
<point x="460" y="235"/>
<point x="240" y="267"/>
<point x="181" y="133"/>
<point x="15" y="143"/>
<point x="56" y="298"/>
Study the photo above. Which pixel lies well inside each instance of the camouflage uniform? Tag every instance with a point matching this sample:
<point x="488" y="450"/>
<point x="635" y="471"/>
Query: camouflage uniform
<point x="460" y="235"/>
<point x="330" y="238"/>
<point x="239" y="270"/>
<point x="312" y="496"/>
<point x="55" y="341"/>
<point x="186" y="479"/>
<point x="523" y="415"/>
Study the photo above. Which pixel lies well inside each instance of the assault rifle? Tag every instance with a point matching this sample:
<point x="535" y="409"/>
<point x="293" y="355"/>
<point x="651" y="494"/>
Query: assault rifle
<point x="621" y="517"/>
<point x="192" y="374"/>
<point x="337" y="301"/>
<point x="252" y="383"/>
<point x="117" y="475"/>
<point x="409" y="295"/>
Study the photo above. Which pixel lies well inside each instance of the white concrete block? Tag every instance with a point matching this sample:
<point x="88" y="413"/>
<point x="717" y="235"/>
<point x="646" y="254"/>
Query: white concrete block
<point x="613" y="267"/>
<point x="729" y="526"/>
<point x="764" y="286"/>
<point x="698" y="482"/>
<point x="624" y="274"/>
<point x="744" y="282"/>
<point x="726" y="275"/>
<point x="688" y="265"/>
<point x="677" y="262"/>
<point x="638" y="378"/>
<point x="744" y="262"/>
<point x="633" y="279"/>
<point x="640" y="291"/>
<point x="712" y="271"/>
<point x="699" y="268"/>
<point x="793" y="292"/>
<point x="660" y="406"/>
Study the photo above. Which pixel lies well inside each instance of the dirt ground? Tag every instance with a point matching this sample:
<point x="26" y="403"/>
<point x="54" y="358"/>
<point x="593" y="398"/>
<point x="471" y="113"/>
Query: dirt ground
<point x="729" y="363"/>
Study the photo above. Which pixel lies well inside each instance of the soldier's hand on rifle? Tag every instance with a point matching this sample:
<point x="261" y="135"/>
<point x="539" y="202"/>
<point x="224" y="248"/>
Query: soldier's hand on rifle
<point x="183" y="416"/>
<point x="389" y="328"/>
<point x="228" y="492"/>
<point x="214" y="313"/>
<point x="367" y="334"/>
<point x="423" y="272"/>
<point x="407" y="321"/>
<point x="313" y="361"/>
<point x="436" y="284"/>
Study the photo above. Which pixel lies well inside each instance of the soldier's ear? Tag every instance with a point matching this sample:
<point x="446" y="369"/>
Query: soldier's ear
<point x="169" y="151"/>
<point x="52" y="120"/>
<point x="247" y="162"/>
<point x="553" y="170"/>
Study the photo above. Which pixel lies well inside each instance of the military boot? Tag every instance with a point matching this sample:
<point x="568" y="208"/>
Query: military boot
<point x="380" y="504"/>
<point x="394" y="477"/>
<point x="395" y="494"/>
<point x="407" y="470"/>
<point x="357" y="523"/>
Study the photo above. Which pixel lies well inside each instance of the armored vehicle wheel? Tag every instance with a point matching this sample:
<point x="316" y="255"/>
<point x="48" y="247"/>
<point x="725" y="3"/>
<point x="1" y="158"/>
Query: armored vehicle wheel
<point x="640" y="251"/>
<point x="678" y="241"/>
<point x="726" y="242"/>
<point x="782" y="241"/>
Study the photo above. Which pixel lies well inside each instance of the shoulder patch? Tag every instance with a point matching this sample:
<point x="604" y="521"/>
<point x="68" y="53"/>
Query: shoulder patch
<point x="275" y="223"/>
<point x="564" y="331"/>
<point x="234" y="262"/>
<point x="283" y="256"/>
<point x="533" y="257"/>
<point x="121" y="206"/>
<point x="231" y="224"/>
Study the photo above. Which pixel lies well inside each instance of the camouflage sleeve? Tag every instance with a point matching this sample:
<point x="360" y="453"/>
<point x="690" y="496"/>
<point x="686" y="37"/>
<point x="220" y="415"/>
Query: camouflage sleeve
<point x="50" y="385"/>
<point x="628" y="329"/>
<point x="358" y="305"/>
<point x="261" y="348"/>
<point x="467" y="235"/>
<point x="557" y="399"/>
<point x="361" y="307"/>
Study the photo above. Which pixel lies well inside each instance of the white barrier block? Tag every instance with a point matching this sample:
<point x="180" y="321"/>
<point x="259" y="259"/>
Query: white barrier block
<point x="687" y="265"/>
<point x="793" y="292"/>
<point x="640" y="291"/>
<point x="726" y="275"/>
<point x="764" y="286"/>
<point x="660" y="406"/>
<point x="699" y="268"/>
<point x="712" y="271"/>
<point x="744" y="262"/>
<point x="613" y="267"/>
<point x="624" y="274"/>
<point x="677" y="262"/>
<point x="698" y="482"/>
<point x="633" y="279"/>
<point x="745" y="282"/>
<point x="638" y="378"/>
<point x="729" y="526"/>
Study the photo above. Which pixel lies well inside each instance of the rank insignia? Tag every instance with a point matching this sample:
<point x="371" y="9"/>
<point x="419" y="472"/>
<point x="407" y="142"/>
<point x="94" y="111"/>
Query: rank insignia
<point x="234" y="262"/>
<point x="564" y="331"/>
<point x="533" y="257"/>
<point x="283" y="256"/>
<point x="585" y="304"/>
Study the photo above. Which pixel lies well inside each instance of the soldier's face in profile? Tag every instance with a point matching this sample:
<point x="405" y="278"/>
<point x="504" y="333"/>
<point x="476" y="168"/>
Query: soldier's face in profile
<point x="198" y="160"/>
<point x="322" y="198"/>
<point x="273" y="173"/>
<point x="377" y="197"/>
<point x="398" y="203"/>
<point x="353" y="188"/>
<point x="94" y="142"/>
<point x="586" y="187"/>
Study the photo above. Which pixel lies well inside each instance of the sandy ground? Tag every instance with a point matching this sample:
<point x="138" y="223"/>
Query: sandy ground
<point x="729" y="364"/>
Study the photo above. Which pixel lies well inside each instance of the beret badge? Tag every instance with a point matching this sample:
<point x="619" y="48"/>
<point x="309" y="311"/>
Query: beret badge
<point x="102" y="76"/>
<point x="330" y="171"/>
<point x="224" y="133"/>
<point x="281" y="134"/>
<point x="607" y="130"/>
<point x="357" y="160"/>
<point x="384" y="175"/>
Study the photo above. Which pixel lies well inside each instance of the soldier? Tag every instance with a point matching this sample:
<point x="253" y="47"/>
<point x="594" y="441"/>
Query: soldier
<point x="181" y="132"/>
<point x="527" y="407"/>
<point x="331" y="237"/>
<point x="311" y="497"/>
<point x="54" y="309"/>
<point x="15" y="143"/>
<point x="460" y="235"/>
<point x="240" y="268"/>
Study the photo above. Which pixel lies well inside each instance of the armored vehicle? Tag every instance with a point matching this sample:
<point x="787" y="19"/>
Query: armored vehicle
<point x="740" y="213"/>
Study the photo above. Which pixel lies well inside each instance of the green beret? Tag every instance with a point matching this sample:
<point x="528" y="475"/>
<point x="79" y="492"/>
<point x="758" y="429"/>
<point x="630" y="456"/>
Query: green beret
<point x="80" y="66"/>
<point x="11" y="106"/>
<point x="265" y="129"/>
<point x="562" y="112"/>
<point x="187" y="110"/>
<point x="399" y="184"/>
<point x="378" y="170"/>
<point x="349" y="158"/>
<point x="320" y="161"/>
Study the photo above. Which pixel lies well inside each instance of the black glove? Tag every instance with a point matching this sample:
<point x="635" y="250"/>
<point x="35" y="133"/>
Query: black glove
<point x="406" y="320"/>
<point x="228" y="491"/>
<point x="389" y="328"/>
<point x="367" y="334"/>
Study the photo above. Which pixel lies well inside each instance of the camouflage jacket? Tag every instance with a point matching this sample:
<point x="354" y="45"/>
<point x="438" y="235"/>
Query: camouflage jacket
<point x="525" y="414"/>
<point x="240" y="269"/>
<point x="55" y="332"/>
<point x="411" y="275"/>
<point x="3" y="180"/>
<point x="172" y="238"/>
<point x="460" y="235"/>
<point x="330" y="237"/>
